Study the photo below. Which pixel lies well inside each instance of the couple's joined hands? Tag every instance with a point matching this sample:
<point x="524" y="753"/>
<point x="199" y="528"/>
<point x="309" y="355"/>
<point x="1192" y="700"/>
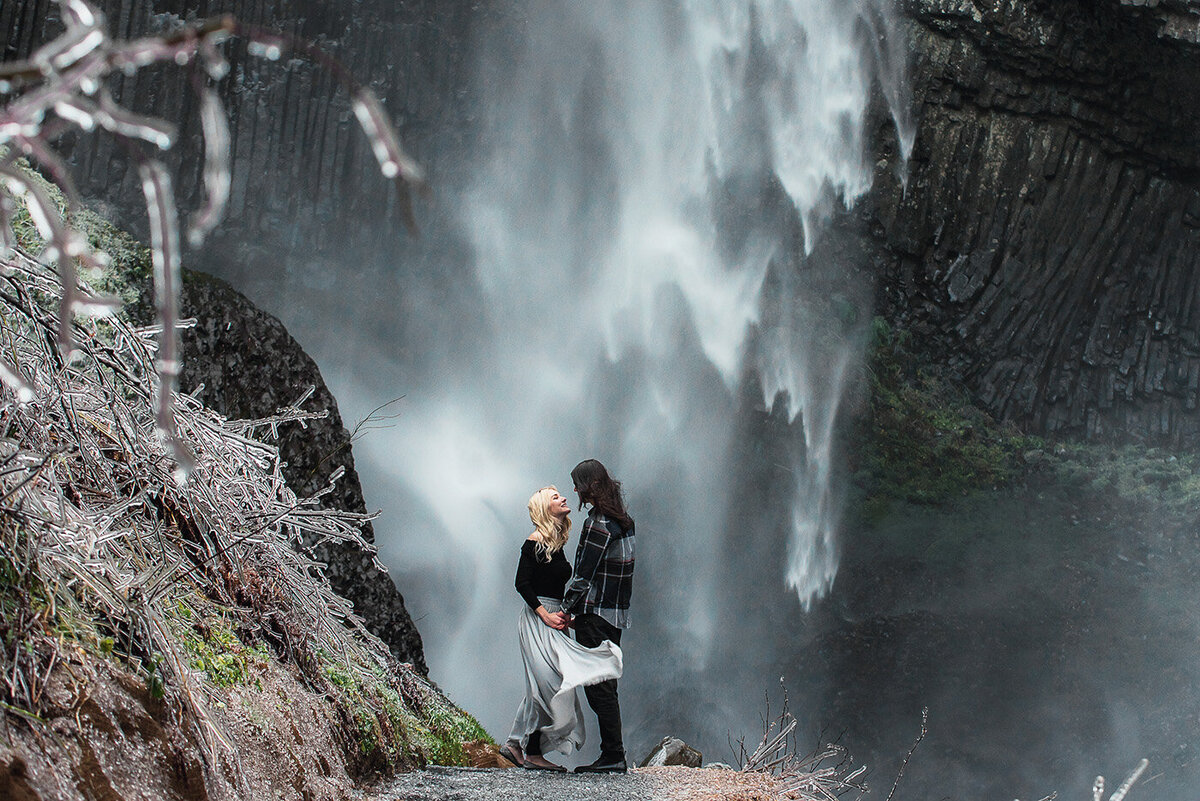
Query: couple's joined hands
<point x="559" y="621"/>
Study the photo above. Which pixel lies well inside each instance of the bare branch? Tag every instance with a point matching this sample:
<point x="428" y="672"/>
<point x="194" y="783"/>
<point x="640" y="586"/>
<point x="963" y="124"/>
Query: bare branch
<point x="1123" y="790"/>
<point x="908" y="756"/>
<point x="62" y="85"/>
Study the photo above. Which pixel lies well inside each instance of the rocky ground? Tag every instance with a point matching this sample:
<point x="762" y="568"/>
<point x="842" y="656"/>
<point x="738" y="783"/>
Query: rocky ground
<point x="642" y="784"/>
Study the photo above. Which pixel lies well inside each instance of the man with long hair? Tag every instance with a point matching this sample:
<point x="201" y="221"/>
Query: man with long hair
<point x="598" y="595"/>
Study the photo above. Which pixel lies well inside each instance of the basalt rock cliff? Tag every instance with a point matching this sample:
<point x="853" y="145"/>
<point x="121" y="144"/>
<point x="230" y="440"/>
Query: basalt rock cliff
<point x="304" y="178"/>
<point x="1045" y="246"/>
<point x="1042" y="244"/>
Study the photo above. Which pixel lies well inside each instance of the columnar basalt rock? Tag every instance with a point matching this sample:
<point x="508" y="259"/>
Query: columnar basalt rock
<point x="1046" y="246"/>
<point x="1178" y="19"/>
<point x="302" y="169"/>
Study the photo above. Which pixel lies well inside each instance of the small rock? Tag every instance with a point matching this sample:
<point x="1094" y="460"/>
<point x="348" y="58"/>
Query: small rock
<point x="673" y="751"/>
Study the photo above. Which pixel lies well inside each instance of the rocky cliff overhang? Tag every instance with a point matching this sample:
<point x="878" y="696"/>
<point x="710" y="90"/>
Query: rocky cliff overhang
<point x="1046" y="247"/>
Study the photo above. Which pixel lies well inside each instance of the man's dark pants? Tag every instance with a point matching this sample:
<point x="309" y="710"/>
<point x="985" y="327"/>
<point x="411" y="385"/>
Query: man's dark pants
<point x="590" y="631"/>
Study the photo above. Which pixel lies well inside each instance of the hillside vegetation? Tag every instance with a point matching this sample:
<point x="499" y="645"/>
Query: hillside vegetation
<point x="152" y="620"/>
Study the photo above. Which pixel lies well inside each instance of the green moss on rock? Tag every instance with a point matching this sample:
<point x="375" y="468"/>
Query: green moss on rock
<point x="924" y="441"/>
<point x="400" y="721"/>
<point x="940" y="482"/>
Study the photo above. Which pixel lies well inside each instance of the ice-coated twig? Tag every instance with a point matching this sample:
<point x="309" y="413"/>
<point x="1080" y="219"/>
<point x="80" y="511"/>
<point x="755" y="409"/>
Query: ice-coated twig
<point x="89" y="504"/>
<point x="61" y="242"/>
<point x="1123" y="790"/>
<point x="393" y="161"/>
<point x="821" y="775"/>
<point x="164" y="238"/>
<point x="116" y="120"/>
<point x="62" y="85"/>
<point x="8" y="239"/>
<point x="908" y="756"/>
<point x="13" y="380"/>
<point x="216" y="166"/>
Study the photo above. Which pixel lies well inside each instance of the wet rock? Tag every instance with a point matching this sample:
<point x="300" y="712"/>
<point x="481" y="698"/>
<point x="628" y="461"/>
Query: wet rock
<point x="1043" y="249"/>
<point x="250" y="367"/>
<point x="672" y="751"/>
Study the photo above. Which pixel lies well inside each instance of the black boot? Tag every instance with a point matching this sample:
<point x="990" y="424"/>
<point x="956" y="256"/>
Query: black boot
<point x="605" y="764"/>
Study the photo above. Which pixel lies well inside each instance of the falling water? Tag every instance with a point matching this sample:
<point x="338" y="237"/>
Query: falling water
<point x="639" y="219"/>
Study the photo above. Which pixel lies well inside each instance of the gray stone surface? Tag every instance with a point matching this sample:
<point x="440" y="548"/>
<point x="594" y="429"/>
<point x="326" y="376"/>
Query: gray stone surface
<point x="1178" y="19"/>
<point x="643" y="784"/>
<point x="492" y="784"/>
<point x="672" y="751"/>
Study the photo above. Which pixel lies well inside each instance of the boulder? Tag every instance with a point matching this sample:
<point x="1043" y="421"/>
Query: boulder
<point x="672" y="751"/>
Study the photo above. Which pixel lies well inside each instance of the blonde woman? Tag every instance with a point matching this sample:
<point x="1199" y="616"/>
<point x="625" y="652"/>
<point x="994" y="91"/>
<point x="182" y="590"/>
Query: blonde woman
<point x="550" y="717"/>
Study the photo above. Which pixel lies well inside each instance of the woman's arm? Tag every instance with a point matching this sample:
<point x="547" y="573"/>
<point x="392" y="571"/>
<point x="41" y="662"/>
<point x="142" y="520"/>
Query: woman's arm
<point x="525" y="572"/>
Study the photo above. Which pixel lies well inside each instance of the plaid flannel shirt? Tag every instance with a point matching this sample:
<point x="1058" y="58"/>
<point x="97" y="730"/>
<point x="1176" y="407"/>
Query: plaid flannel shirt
<point x="603" y="578"/>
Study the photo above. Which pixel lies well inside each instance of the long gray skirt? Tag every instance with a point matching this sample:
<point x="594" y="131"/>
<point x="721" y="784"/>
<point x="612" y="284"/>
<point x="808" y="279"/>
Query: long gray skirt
<point x="555" y="665"/>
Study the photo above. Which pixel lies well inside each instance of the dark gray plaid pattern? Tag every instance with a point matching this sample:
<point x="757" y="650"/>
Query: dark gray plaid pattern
<point x="603" y="580"/>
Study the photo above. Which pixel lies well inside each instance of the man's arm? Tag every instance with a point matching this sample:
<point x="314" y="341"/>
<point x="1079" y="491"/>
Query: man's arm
<point x="593" y="543"/>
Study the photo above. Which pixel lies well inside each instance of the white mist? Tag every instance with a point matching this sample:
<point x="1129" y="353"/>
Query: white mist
<point x="615" y="300"/>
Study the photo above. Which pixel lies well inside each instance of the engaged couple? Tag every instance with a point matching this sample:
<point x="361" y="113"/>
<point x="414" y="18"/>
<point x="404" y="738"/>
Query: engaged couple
<point x="592" y="599"/>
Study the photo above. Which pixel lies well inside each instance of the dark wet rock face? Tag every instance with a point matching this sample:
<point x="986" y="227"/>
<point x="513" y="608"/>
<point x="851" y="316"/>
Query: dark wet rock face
<point x="250" y="367"/>
<point x="304" y="178"/>
<point x="1177" y="19"/>
<point x="1043" y="256"/>
<point x="1047" y="244"/>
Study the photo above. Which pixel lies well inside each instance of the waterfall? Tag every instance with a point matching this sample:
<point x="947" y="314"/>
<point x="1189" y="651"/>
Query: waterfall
<point x="636" y="273"/>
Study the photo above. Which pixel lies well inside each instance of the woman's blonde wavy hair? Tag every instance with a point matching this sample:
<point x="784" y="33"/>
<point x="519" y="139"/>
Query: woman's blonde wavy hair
<point x="550" y="534"/>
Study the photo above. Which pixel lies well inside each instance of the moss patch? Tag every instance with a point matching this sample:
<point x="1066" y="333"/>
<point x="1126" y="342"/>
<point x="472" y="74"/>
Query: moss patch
<point x="213" y="647"/>
<point x="128" y="274"/>
<point x="399" y="723"/>
<point x="940" y="483"/>
<point x="923" y="440"/>
<point x="1149" y="478"/>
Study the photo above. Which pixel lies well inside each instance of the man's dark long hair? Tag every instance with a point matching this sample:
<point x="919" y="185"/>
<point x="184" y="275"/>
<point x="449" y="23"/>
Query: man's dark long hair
<point x="596" y="487"/>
